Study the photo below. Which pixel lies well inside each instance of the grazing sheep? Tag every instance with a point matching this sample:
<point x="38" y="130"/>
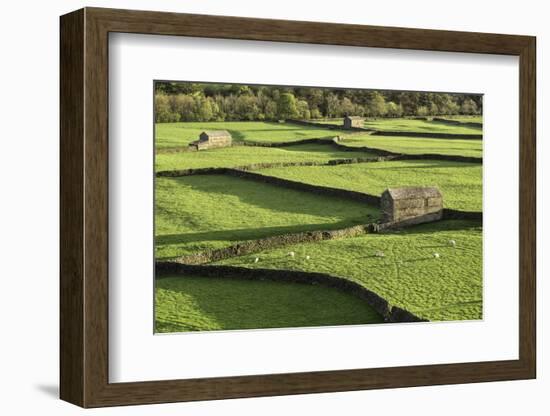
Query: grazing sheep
<point x="379" y="254"/>
<point x="452" y="243"/>
<point x="307" y="257"/>
<point x="291" y="254"/>
<point x="436" y="255"/>
<point x="256" y="260"/>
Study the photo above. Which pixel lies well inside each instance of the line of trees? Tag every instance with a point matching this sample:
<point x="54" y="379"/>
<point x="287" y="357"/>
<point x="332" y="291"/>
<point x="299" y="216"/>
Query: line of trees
<point x="179" y="101"/>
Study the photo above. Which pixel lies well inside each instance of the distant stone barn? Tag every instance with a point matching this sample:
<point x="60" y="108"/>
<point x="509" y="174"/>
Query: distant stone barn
<point x="211" y="139"/>
<point x="353" y="121"/>
<point x="411" y="205"/>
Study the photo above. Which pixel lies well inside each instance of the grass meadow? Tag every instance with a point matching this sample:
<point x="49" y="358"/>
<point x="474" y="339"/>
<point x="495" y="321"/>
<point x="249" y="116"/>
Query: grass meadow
<point x="416" y="125"/>
<point x="246" y="155"/>
<point x="448" y="287"/>
<point x="176" y="135"/>
<point x="417" y="145"/>
<point x="459" y="182"/>
<point x="419" y="126"/>
<point x="186" y="222"/>
<point x="431" y="270"/>
<point x="198" y="303"/>
<point x="466" y="119"/>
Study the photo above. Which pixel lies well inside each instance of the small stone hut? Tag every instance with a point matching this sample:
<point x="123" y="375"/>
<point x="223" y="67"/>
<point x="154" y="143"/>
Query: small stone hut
<point x="353" y="121"/>
<point x="211" y="139"/>
<point x="411" y="205"/>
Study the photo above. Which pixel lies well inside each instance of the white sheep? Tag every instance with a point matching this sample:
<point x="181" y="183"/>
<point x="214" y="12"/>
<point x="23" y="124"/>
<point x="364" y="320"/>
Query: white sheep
<point x="256" y="260"/>
<point x="452" y="243"/>
<point x="307" y="257"/>
<point x="379" y="254"/>
<point x="291" y="254"/>
<point x="436" y="255"/>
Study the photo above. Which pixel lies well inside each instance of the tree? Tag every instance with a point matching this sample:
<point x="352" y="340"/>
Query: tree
<point x="422" y="111"/>
<point x="377" y="105"/>
<point x="410" y="101"/>
<point x="314" y="97"/>
<point x="346" y="107"/>
<point x="244" y="90"/>
<point x="204" y="109"/>
<point x="163" y="110"/>
<point x="331" y="105"/>
<point x="444" y="104"/>
<point x="286" y="106"/>
<point x="453" y="108"/>
<point x="218" y="108"/>
<point x="180" y="101"/>
<point x="315" y="113"/>
<point x="270" y="110"/>
<point x="267" y="107"/>
<point x="468" y="107"/>
<point x="184" y="105"/>
<point x="394" y="110"/>
<point x="246" y="107"/>
<point x="303" y="110"/>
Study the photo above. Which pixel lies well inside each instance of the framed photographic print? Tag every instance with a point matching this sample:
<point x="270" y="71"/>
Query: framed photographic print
<point x="256" y="207"/>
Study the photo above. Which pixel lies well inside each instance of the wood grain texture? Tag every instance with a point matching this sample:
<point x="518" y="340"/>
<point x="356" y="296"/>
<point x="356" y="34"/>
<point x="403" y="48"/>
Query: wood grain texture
<point x="71" y="184"/>
<point x="84" y="207"/>
<point x="527" y="208"/>
<point x="162" y="23"/>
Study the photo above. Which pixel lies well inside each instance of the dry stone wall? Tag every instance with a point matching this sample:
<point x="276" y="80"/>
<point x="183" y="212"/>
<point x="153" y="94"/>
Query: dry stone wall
<point x="458" y="123"/>
<point x="268" y="243"/>
<point x="429" y="135"/>
<point x="388" y="312"/>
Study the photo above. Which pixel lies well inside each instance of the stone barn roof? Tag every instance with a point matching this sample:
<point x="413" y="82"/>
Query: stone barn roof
<point x="413" y="192"/>
<point x="216" y="133"/>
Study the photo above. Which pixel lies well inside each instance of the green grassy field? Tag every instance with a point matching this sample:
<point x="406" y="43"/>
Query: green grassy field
<point x="420" y="126"/>
<point x="409" y="276"/>
<point x="194" y="213"/>
<point x="201" y="212"/>
<point x="460" y="183"/>
<point x="335" y="121"/>
<point x="193" y="303"/>
<point x="246" y="155"/>
<point x="174" y="135"/>
<point x="465" y="119"/>
<point x="414" y="125"/>
<point x="417" y="145"/>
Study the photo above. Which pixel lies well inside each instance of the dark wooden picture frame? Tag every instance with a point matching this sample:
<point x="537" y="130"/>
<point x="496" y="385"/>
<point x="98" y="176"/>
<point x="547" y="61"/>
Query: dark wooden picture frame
<point x="84" y="207"/>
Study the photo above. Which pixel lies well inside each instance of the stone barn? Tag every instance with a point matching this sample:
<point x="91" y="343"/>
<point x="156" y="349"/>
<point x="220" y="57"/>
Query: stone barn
<point x="353" y="121"/>
<point x="411" y="205"/>
<point x="211" y="139"/>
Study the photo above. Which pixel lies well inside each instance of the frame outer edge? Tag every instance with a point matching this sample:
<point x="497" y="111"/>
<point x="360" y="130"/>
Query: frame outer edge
<point x="528" y="208"/>
<point x="96" y="209"/>
<point x="84" y="189"/>
<point x="293" y="31"/>
<point x="72" y="341"/>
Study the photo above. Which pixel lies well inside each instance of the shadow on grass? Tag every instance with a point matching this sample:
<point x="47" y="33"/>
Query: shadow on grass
<point x="290" y="127"/>
<point x="244" y="234"/>
<point x="323" y="148"/>
<point x="206" y="303"/>
<point x="424" y="127"/>
<point x="444" y="225"/>
<point x="274" y="198"/>
<point x="422" y="164"/>
<point x="419" y="151"/>
<point x="236" y="135"/>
